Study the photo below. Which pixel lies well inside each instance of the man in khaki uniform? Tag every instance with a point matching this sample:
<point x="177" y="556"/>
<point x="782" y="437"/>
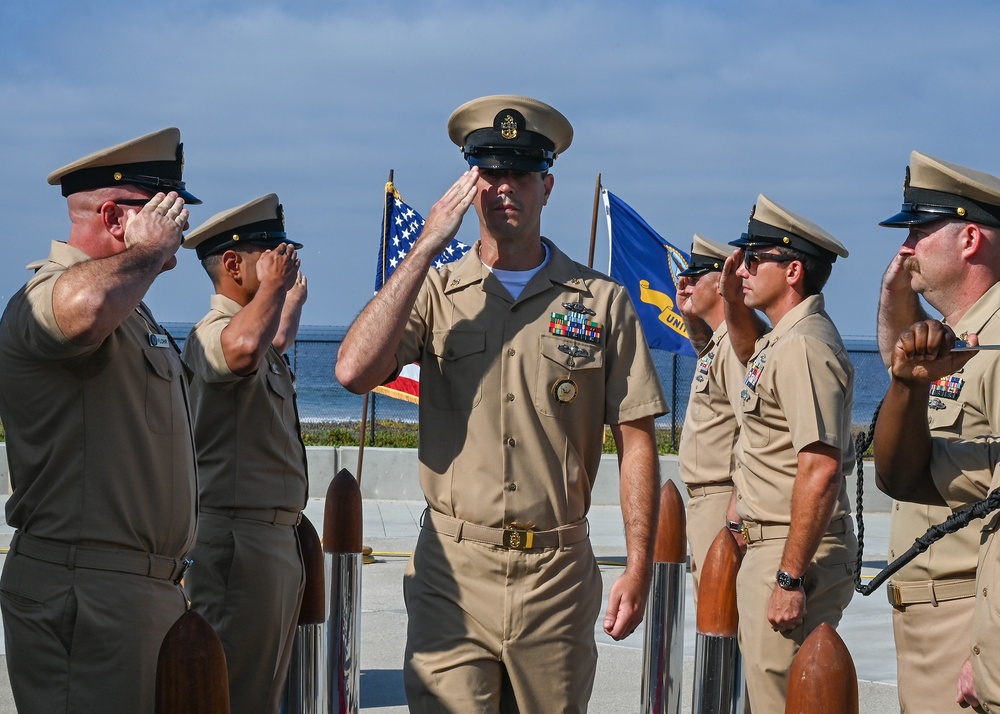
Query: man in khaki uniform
<point x="912" y="465"/>
<point x="251" y="459"/>
<point x="525" y="355"/>
<point x="953" y="260"/>
<point x="707" y="454"/>
<point x="94" y="401"/>
<point x="795" y="445"/>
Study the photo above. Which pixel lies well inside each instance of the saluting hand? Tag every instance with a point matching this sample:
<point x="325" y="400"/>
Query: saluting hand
<point x="279" y="266"/>
<point x="446" y="215"/>
<point x="159" y="226"/>
<point x="298" y="292"/>
<point x="731" y="284"/>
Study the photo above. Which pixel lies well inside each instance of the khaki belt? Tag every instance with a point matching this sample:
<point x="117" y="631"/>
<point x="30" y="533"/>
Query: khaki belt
<point x="150" y="565"/>
<point x="274" y="516"/>
<point x="513" y="538"/>
<point x="903" y="593"/>
<point x="753" y="532"/>
<point x="708" y="489"/>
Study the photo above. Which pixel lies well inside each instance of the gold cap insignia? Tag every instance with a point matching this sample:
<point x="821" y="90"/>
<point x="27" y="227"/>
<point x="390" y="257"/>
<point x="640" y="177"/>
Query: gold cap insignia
<point x="508" y="127"/>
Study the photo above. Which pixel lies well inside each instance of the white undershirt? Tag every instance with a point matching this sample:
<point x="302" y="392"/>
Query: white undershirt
<point x="515" y="280"/>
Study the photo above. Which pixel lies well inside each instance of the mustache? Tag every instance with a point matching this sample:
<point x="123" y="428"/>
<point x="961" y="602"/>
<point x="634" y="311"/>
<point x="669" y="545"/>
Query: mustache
<point x="912" y="264"/>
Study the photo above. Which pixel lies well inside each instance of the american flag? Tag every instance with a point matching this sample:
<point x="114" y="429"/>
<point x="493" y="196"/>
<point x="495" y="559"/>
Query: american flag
<point x="401" y="227"/>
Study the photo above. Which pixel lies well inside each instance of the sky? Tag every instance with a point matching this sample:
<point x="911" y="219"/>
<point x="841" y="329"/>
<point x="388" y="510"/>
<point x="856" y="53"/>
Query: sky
<point x="688" y="110"/>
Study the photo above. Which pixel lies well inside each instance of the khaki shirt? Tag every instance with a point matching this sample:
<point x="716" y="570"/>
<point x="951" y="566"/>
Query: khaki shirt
<point x="959" y="470"/>
<point x="798" y="390"/>
<point x="711" y="431"/>
<point x="98" y="437"/>
<point x="250" y="451"/>
<point x="964" y="405"/>
<point x="512" y="414"/>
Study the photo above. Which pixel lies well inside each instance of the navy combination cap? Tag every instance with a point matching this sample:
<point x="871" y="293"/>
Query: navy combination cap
<point x="261" y="222"/>
<point x="154" y="162"/>
<point x="707" y="256"/>
<point x="773" y="226"/>
<point x="934" y="190"/>
<point x="508" y="132"/>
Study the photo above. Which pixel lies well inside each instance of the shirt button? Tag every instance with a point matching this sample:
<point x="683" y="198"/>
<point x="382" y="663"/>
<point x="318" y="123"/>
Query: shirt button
<point x="976" y="649"/>
<point x="512" y="487"/>
<point x="510" y="441"/>
<point x="984" y="592"/>
<point x="510" y="397"/>
<point x="510" y="352"/>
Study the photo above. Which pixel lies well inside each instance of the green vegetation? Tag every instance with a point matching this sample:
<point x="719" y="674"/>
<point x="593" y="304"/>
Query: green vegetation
<point x="403" y="435"/>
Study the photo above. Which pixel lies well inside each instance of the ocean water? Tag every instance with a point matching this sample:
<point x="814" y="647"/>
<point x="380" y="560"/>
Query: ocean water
<point x="322" y="399"/>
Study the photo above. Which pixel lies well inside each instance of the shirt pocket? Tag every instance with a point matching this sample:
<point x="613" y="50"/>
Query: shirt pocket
<point x="701" y="400"/>
<point x="945" y="415"/>
<point x="986" y="579"/>
<point x="452" y="378"/>
<point x="757" y="433"/>
<point x="567" y="370"/>
<point x="280" y="389"/>
<point x="165" y="411"/>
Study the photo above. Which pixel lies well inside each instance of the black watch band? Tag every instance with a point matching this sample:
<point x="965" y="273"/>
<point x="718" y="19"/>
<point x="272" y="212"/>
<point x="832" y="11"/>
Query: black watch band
<point x="787" y="582"/>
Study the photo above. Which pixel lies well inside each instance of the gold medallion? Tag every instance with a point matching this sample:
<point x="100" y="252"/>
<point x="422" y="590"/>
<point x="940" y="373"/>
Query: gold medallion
<point x="565" y="391"/>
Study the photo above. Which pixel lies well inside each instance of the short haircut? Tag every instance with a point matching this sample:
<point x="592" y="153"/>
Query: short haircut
<point x="816" y="270"/>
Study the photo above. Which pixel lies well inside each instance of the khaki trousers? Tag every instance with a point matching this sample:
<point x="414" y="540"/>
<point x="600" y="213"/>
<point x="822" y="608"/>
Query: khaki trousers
<point x="83" y="640"/>
<point x="247" y="581"/>
<point x="767" y="655"/>
<point x="495" y="630"/>
<point x="706" y="516"/>
<point x="932" y="643"/>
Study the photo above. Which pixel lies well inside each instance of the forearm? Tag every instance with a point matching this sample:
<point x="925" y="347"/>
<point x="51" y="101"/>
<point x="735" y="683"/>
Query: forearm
<point x="903" y="445"/>
<point x="251" y="331"/>
<point x="91" y="299"/>
<point x="745" y="328"/>
<point x="367" y="355"/>
<point x="814" y="498"/>
<point x="898" y="308"/>
<point x="288" y="326"/>
<point x="639" y="492"/>
<point x="698" y="331"/>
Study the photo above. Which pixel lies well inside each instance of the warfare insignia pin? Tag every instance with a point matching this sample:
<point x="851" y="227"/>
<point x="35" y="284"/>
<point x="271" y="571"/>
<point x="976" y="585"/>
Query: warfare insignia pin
<point x="578" y="307"/>
<point x="935" y="404"/>
<point x="565" y="391"/>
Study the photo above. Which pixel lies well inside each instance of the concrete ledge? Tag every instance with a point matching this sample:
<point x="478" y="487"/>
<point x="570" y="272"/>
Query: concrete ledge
<point x="391" y="474"/>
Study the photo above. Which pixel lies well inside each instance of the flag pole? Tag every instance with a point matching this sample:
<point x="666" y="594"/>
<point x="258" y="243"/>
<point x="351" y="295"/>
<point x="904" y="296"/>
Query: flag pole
<point x="386" y="214"/>
<point x="593" y="223"/>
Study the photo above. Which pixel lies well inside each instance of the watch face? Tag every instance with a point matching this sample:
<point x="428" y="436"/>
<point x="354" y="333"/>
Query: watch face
<point x="786" y="581"/>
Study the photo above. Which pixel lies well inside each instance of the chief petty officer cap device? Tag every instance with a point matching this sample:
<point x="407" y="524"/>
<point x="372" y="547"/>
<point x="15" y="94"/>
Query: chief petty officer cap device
<point x="506" y="132"/>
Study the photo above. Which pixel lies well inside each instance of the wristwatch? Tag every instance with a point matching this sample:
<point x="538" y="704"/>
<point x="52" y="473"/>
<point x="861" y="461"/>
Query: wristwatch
<point x="787" y="582"/>
<point x="734" y="526"/>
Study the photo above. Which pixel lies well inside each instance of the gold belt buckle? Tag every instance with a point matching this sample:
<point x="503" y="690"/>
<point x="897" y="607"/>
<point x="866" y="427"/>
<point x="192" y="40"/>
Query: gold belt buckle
<point x="895" y="595"/>
<point x="745" y="530"/>
<point x="518" y="539"/>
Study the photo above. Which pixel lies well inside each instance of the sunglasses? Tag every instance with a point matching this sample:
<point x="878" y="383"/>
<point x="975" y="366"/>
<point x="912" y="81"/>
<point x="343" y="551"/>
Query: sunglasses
<point x="752" y="258"/>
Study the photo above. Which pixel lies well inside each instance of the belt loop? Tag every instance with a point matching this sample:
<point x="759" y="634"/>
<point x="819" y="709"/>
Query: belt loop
<point x="71" y="558"/>
<point x="13" y="542"/>
<point x="458" y="531"/>
<point x="930" y="589"/>
<point x="274" y="517"/>
<point x="152" y="564"/>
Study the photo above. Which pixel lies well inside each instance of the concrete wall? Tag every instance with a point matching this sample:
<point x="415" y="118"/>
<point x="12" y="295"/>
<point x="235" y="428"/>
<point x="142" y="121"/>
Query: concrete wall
<point x="391" y="474"/>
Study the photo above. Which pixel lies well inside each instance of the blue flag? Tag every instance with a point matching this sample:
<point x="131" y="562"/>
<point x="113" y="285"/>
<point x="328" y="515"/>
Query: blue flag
<point x="648" y="266"/>
<point x="400" y="227"/>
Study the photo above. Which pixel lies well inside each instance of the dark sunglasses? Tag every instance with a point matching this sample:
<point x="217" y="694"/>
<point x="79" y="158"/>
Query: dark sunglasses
<point x="751" y="258"/>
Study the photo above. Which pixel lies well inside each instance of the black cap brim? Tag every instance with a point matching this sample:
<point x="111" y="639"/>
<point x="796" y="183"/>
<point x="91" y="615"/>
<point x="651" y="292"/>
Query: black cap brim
<point x="905" y="219"/>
